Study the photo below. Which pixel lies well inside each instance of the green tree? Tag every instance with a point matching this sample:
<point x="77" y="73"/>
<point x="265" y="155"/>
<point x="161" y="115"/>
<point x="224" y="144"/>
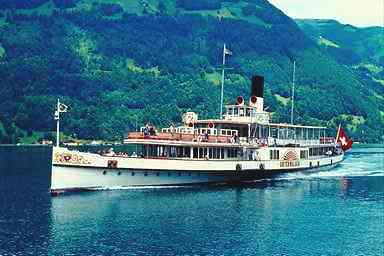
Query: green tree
<point x="2" y="132"/>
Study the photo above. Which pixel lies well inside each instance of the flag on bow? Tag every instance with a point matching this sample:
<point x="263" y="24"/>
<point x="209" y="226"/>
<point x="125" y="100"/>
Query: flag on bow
<point x="227" y="51"/>
<point x="342" y="138"/>
<point x="63" y="108"/>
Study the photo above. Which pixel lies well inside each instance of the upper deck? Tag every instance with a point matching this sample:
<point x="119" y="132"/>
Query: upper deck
<point x="242" y="125"/>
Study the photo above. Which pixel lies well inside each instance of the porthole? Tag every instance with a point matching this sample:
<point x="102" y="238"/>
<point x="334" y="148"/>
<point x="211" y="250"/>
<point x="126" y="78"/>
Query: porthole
<point x="157" y="174"/>
<point x="104" y="172"/>
<point x="119" y="173"/>
<point x="145" y="174"/>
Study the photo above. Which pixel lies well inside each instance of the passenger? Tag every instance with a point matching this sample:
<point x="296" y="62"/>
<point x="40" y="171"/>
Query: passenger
<point x="206" y="137"/>
<point x="110" y="152"/>
<point x="146" y="130"/>
<point x="194" y="136"/>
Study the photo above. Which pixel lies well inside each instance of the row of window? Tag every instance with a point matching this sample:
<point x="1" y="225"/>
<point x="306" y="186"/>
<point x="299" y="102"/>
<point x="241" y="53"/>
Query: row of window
<point x="169" y="174"/>
<point x="185" y="152"/>
<point x="319" y="151"/>
<point x="214" y="153"/>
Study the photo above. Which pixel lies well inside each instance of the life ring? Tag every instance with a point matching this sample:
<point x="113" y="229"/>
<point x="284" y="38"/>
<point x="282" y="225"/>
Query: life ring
<point x="238" y="168"/>
<point x="210" y="125"/>
<point x="253" y="99"/>
<point x="239" y="100"/>
<point x="261" y="166"/>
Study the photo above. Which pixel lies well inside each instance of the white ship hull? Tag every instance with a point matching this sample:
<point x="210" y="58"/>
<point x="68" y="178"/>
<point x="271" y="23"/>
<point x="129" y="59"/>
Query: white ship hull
<point x="77" y="171"/>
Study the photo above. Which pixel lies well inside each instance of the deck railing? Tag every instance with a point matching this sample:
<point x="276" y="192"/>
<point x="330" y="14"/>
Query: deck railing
<point x="183" y="137"/>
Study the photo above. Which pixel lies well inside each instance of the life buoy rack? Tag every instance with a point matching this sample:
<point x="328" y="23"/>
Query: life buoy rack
<point x="238" y="168"/>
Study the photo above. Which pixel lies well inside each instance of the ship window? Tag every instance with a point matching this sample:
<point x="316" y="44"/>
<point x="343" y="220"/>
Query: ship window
<point x="157" y="174"/>
<point x="189" y="174"/>
<point x="241" y="111"/>
<point x="145" y="174"/>
<point x="216" y="153"/>
<point x="222" y="153"/>
<point x="303" y="154"/>
<point x="133" y="173"/>
<point x="187" y="152"/>
<point x="179" y="173"/>
<point x="179" y="152"/>
<point x="230" y="153"/>
<point x="195" y="153"/>
<point x="169" y="174"/>
<point x="210" y="152"/>
<point x="274" y="154"/>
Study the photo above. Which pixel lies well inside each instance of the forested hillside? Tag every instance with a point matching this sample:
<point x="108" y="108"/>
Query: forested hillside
<point x="361" y="50"/>
<point x="118" y="64"/>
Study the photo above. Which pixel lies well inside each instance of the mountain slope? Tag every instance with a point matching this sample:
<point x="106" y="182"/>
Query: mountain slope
<point x="359" y="49"/>
<point x="118" y="64"/>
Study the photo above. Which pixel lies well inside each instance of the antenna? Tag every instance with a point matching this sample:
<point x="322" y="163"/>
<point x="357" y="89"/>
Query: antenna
<point x="293" y="90"/>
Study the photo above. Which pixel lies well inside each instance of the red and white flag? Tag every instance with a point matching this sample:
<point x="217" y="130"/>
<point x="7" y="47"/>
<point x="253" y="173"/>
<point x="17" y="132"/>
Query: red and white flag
<point x="345" y="142"/>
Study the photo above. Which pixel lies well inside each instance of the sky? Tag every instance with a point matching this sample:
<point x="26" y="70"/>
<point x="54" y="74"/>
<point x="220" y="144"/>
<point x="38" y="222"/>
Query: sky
<point x="361" y="13"/>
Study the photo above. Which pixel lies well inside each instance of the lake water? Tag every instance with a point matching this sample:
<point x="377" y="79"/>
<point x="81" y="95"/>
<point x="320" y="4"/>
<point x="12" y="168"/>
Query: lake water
<point x="334" y="212"/>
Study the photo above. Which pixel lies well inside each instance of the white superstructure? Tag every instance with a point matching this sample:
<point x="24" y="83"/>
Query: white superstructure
<point x="243" y="144"/>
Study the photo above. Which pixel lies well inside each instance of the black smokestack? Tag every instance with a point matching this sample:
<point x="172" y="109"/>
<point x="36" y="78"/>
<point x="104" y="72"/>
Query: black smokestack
<point x="257" y="88"/>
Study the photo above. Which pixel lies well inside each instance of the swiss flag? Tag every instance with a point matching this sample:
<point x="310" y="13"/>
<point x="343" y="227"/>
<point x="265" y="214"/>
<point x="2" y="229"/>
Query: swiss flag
<point x="345" y="142"/>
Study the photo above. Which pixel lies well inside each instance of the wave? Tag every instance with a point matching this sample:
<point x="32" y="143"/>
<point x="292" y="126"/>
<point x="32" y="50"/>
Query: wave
<point x="136" y="187"/>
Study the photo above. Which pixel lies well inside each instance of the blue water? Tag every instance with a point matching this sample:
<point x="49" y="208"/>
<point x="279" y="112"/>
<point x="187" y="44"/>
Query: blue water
<point x="326" y="212"/>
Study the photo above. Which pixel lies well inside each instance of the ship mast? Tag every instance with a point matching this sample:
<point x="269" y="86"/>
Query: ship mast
<point x="60" y="108"/>
<point x="226" y="51"/>
<point x="57" y="118"/>
<point x="222" y="84"/>
<point x="293" y="90"/>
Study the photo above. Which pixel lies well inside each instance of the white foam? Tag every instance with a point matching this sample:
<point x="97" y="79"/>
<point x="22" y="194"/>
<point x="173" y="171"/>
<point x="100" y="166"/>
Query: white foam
<point x="135" y="187"/>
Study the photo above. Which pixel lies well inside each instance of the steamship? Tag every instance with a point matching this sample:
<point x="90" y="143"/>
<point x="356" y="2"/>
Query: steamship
<point x="243" y="144"/>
